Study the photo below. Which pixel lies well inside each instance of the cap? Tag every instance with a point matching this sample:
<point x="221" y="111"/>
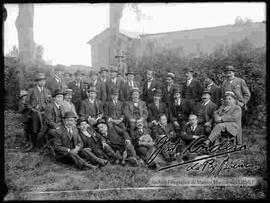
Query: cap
<point x="81" y="119"/>
<point x="69" y="114"/>
<point x="103" y="69"/>
<point x="68" y="91"/>
<point x="135" y="89"/>
<point x="176" y="90"/>
<point x="229" y="68"/>
<point x="40" y="76"/>
<point x="23" y="93"/>
<point x="189" y="70"/>
<point x="92" y="89"/>
<point x="158" y="92"/>
<point x="170" y="75"/>
<point x="229" y="93"/>
<point x="57" y="92"/>
<point x="115" y="92"/>
<point x="130" y="73"/>
<point x="114" y="69"/>
<point x="100" y="121"/>
<point x="207" y="92"/>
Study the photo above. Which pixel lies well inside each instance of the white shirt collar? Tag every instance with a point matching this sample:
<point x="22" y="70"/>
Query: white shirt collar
<point x="91" y="101"/>
<point x="57" y="105"/>
<point x="207" y="102"/>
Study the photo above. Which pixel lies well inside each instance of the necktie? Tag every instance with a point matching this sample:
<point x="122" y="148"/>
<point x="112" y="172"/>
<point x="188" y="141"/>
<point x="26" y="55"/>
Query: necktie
<point x="188" y="82"/>
<point x="169" y="87"/>
<point x="148" y="84"/>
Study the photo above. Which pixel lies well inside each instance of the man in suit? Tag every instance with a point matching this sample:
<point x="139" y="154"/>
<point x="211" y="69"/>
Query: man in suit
<point x="156" y="108"/>
<point x="135" y="109"/>
<point x="37" y="99"/>
<point x="148" y="88"/>
<point x="167" y="89"/>
<point x="92" y="145"/>
<point x="206" y="112"/>
<point x="114" y="110"/>
<point x="191" y="131"/>
<point x="103" y="73"/>
<point x="67" y="104"/>
<point x="113" y="83"/>
<point x="68" y="144"/>
<point x="227" y="119"/>
<point x="127" y="87"/>
<point x="56" y="82"/>
<point x="236" y="85"/>
<point x="192" y="90"/>
<point x="91" y="108"/>
<point x="165" y="129"/>
<point x="179" y="110"/>
<point x="79" y="90"/>
<point x="100" y="86"/>
<point x="213" y="88"/>
<point x="116" y="139"/>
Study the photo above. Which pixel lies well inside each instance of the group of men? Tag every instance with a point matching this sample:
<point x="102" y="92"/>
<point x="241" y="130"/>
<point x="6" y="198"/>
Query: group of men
<point x="111" y="119"/>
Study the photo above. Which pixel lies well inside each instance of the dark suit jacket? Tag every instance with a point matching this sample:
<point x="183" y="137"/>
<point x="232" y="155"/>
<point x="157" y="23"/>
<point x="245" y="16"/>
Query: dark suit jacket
<point x="62" y="141"/>
<point x="53" y="85"/>
<point x="101" y="88"/>
<point x="110" y="86"/>
<point x="114" y="111"/>
<point x="116" y="136"/>
<point x="232" y="120"/>
<point x="208" y="113"/>
<point x="147" y="94"/>
<point x="193" y="91"/>
<point x="125" y="94"/>
<point x="53" y="115"/>
<point x="93" y="142"/>
<point x="33" y="98"/>
<point x="154" y="112"/>
<point x="180" y="113"/>
<point x="168" y="130"/>
<point x="187" y="133"/>
<point x="168" y="95"/>
<point x="87" y="109"/>
<point x="136" y="134"/>
<point x="78" y="93"/>
<point x="215" y="94"/>
<point x="129" y="110"/>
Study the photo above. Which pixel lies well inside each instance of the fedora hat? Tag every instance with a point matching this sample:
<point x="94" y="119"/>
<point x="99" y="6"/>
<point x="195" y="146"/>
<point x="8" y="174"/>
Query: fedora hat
<point x="69" y="114"/>
<point x="57" y="92"/>
<point x="130" y="72"/>
<point x="115" y="92"/>
<point x="158" y="92"/>
<point x="170" y="75"/>
<point x="40" y="76"/>
<point x="23" y="93"/>
<point x="92" y="89"/>
<point x="189" y="70"/>
<point x="68" y="91"/>
<point x="135" y="89"/>
<point x="100" y="121"/>
<point x="206" y="92"/>
<point x="103" y="69"/>
<point x="229" y="93"/>
<point x="176" y="90"/>
<point x="114" y="69"/>
<point x="81" y="119"/>
<point x="229" y="68"/>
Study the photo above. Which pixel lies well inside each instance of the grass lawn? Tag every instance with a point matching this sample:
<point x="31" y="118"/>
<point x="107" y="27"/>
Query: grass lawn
<point x="33" y="176"/>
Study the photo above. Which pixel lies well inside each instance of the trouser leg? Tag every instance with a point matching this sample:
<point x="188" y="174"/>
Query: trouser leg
<point x="216" y="132"/>
<point x="80" y="163"/>
<point x="90" y="156"/>
<point x="130" y="150"/>
<point x="110" y="152"/>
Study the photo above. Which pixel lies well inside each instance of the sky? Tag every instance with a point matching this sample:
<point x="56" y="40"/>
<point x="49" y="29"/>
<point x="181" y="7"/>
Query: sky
<point x="64" y="29"/>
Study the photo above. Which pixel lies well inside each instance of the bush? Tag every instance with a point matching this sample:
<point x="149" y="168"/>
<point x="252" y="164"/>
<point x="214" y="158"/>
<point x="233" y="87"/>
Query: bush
<point x="250" y="64"/>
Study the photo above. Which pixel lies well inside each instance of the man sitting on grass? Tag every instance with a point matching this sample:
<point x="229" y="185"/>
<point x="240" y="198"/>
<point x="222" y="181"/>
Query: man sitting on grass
<point x="116" y="139"/>
<point x="68" y="144"/>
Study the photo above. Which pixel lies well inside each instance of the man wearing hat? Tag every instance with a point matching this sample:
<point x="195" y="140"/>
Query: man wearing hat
<point x="215" y="90"/>
<point x="54" y="113"/>
<point x="206" y="112"/>
<point x="227" y="119"/>
<point x="113" y="83"/>
<point x="67" y="104"/>
<point x="37" y="99"/>
<point x="236" y="85"/>
<point x="179" y="110"/>
<point x="103" y="72"/>
<point x="116" y="139"/>
<point x="56" y="82"/>
<point x="91" y="108"/>
<point x="135" y="109"/>
<point x="156" y="108"/>
<point x="127" y="86"/>
<point x="114" y="110"/>
<point x="78" y="90"/>
<point x="168" y="88"/>
<point x="148" y="87"/>
<point x="68" y="144"/>
<point x="192" y="89"/>
<point x="99" y="85"/>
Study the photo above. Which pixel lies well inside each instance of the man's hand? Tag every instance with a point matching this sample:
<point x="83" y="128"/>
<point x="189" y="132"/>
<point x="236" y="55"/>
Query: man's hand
<point x="74" y="151"/>
<point x="195" y="136"/>
<point x="208" y="124"/>
<point x="176" y="124"/>
<point x="154" y="122"/>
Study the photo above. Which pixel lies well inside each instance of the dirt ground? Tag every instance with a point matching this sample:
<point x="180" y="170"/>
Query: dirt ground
<point x="36" y="176"/>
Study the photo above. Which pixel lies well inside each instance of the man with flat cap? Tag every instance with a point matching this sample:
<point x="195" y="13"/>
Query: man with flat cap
<point x="127" y="86"/>
<point x="148" y="87"/>
<point x="192" y="89"/>
<point x="206" y="112"/>
<point x="167" y="89"/>
<point x="236" y="85"/>
<point x="37" y="99"/>
<point x="227" y="119"/>
<point x="91" y="108"/>
<point x="67" y="143"/>
<point x="100" y="86"/>
<point x="103" y="72"/>
<point x="214" y="89"/>
<point x="113" y="83"/>
<point x="114" y="110"/>
<point x="135" y="110"/>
